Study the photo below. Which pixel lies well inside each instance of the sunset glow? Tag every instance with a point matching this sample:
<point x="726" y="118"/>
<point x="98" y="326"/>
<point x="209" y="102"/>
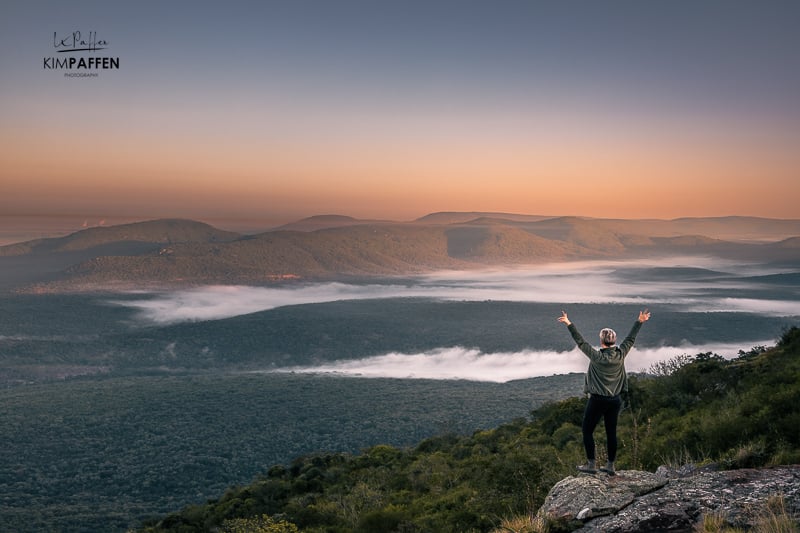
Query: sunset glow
<point x="395" y="110"/>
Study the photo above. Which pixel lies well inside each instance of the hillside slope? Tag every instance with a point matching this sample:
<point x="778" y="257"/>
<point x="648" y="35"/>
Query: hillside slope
<point x="736" y="414"/>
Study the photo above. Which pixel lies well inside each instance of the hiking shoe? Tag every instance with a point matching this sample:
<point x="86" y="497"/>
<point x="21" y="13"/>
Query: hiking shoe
<point x="588" y="468"/>
<point x="609" y="469"/>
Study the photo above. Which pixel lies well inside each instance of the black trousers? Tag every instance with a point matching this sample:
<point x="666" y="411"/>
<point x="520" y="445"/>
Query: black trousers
<point x="607" y="408"/>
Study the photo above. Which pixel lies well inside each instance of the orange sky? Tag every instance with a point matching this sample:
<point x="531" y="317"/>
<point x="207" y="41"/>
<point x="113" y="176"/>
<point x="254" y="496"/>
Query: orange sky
<point x="359" y="119"/>
<point x="127" y="173"/>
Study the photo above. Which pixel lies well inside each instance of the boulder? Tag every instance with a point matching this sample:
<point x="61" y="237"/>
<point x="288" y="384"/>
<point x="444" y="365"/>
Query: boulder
<point x="670" y="499"/>
<point x="585" y="496"/>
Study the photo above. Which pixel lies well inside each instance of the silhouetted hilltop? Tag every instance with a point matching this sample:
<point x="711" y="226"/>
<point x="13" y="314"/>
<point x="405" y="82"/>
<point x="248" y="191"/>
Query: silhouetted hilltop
<point x="738" y="228"/>
<point x="319" y="222"/>
<point x="455" y="217"/>
<point x="732" y="228"/>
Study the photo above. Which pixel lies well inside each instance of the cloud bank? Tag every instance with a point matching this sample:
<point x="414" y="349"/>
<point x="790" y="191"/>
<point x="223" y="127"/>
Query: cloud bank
<point x="469" y="364"/>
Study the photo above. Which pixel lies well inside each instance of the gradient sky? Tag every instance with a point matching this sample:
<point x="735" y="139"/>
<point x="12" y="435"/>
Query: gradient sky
<point x="394" y="109"/>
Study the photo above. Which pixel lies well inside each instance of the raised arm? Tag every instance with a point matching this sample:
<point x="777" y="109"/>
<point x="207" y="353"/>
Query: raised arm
<point x="584" y="346"/>
<point x="627" y="344"/>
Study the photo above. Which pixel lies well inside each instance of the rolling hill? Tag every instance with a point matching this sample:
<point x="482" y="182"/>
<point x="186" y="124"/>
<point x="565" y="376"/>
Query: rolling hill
<point x="184" y="252"/>
<point x="153" y="232"/>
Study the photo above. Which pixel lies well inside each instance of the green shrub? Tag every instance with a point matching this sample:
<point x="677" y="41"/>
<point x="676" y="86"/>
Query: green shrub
<point x="260" y="524"/>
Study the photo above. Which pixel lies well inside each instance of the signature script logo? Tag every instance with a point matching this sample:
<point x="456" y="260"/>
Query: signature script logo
<point x="76" y="42"/>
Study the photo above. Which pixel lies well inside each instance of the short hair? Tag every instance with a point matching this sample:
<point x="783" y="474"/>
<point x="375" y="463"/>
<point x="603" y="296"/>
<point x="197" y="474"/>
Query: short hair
<point x="608" y="336"/>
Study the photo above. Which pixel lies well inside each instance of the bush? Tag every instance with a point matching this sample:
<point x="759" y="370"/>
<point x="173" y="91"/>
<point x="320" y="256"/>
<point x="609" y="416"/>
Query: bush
<point x="260" y="524"/>
<point x="382" y="520"/>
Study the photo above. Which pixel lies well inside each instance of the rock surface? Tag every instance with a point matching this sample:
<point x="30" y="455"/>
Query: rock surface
<point x="588" y="496"/>
<point x="669" y="500"/>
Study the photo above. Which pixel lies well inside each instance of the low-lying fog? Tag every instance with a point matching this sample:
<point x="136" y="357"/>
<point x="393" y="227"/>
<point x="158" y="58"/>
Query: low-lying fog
<point x="463" y="363"/>
<point x="707" y="287"/>
<point x="688" y="285"/>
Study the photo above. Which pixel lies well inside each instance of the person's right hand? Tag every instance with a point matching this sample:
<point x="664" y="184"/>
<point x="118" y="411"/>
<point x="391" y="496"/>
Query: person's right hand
<point x="564" y="319"/>
<point x="644" y="316"/>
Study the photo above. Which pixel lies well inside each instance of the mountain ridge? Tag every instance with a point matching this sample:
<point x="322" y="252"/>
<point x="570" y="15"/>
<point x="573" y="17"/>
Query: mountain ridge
<point x="186" y="252"/>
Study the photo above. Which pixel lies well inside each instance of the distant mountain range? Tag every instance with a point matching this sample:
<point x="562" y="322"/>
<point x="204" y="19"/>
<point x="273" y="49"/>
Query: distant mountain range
<point x="183" y="252"/>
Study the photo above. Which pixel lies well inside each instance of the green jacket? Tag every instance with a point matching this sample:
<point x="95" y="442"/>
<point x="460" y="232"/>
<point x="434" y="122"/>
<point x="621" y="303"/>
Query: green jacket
<point x="606" y="375"/>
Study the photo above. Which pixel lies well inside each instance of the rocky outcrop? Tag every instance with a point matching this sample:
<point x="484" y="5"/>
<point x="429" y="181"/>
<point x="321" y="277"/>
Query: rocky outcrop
<point x="669" y="500"/>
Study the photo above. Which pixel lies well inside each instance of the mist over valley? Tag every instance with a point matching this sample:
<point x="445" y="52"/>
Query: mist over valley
<point x="137" y="376"/>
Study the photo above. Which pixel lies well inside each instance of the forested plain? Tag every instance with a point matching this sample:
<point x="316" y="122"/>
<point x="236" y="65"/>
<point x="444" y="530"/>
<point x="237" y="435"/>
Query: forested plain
<point x="109" y="418"/>
<point x="704" y="409"/>
<point x="103" y="454"/>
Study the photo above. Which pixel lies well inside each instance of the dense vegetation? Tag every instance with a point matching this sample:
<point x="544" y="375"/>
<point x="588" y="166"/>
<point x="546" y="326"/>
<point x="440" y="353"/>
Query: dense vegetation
<point x="103" y="454"/>
<point x="738" y="413"/>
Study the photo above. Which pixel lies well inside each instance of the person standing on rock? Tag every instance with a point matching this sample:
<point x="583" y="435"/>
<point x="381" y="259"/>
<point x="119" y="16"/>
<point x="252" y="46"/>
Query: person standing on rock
<point x="605" y="380"/>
